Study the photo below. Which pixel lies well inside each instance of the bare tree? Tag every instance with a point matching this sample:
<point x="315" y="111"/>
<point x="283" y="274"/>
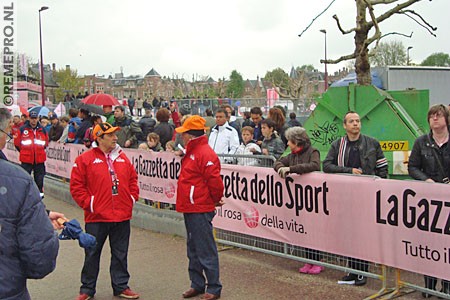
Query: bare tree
<point x="363" y="27"/>
<point x="292" y="87"/>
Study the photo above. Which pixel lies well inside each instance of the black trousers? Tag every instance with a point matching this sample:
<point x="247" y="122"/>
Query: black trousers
<point x="119" y="240"/>
<point x="38" y="172"/>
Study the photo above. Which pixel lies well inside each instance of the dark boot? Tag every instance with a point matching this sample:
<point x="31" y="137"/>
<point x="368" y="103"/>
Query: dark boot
<point x="445" y="287"/>
<point x="430" y="283"/>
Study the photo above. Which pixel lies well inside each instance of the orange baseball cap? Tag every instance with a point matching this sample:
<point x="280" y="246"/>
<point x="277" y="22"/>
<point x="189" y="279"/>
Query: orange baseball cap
<point x="103" y="128"/>
<point x="194" y="122"/>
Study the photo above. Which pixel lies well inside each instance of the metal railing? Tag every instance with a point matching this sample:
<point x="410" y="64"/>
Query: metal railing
<point x="266" y="161"/>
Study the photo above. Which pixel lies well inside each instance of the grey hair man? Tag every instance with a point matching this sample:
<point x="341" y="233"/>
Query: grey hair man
<point x="28" y="243"/>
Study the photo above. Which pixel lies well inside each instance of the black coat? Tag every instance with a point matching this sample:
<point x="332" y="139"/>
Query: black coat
<point x="56" y="132"/>
<point x="165" y="132"/>
<point x="147" y="125"/>
<point x="422" y="163"/>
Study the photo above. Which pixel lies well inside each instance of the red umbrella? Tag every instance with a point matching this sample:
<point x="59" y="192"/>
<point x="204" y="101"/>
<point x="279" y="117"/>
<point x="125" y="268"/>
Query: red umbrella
<point x="100" y="99"/>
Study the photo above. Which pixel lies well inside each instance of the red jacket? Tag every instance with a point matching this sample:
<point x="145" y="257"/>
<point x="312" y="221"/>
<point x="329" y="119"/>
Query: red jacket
<point x="91" y="186"/>
<point x="15" y="131"/>
<point x="199" y="185"/>
<point x="32" y="144"/>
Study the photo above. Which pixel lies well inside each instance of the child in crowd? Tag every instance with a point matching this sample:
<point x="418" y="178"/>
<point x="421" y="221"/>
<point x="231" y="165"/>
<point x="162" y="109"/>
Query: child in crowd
<point x="246" y="146"/>
<point x="64" y="120"/>
<point x="152" y="143"/>
<point x="88" y="136"/>
<point x="272" y="143"/>
<point x="170" y="146"/>
<point x="45" y="122"/>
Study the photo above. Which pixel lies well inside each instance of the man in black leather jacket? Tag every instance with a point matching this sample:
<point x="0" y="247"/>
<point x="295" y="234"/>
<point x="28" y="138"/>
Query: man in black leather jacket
<point x="356" y="154"/>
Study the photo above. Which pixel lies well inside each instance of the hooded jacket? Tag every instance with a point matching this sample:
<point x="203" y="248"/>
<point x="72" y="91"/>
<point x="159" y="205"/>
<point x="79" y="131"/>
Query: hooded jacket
<point x="199" y="185"/>
<point x="28" y="243"/>
<point x="91" y="186"/>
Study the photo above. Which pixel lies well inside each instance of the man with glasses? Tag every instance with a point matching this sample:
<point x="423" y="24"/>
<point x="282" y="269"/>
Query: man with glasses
<point x="104" y="184"/>
<point x="7" y="138"/>
<point x="429" y="161"/>
<point x="33" y="141"/>
<point x="28" y="244"/>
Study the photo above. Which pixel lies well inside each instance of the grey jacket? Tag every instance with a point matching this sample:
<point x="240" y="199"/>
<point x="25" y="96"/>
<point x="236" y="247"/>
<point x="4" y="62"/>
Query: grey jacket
<point x="274" y="145"/>
<point x="28" y="243"/>
<point x="372" y="158"/>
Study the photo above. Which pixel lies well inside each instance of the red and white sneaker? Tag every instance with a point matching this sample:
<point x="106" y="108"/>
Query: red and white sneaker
<point x="83" y="297"/>
<point x="129" y="294"/>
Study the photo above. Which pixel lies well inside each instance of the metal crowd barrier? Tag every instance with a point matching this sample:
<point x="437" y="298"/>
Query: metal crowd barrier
<point x="404" y="283"/>
<point x="266" y="161"/>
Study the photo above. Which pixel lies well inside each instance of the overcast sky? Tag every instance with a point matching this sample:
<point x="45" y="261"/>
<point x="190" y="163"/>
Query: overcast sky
<point x="206" y="37"/>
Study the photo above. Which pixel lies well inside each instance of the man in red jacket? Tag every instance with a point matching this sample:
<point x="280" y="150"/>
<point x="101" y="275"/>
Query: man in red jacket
<point x="33" y="141"/>
<point x="200" y="190"/>
<point x="104" y="183"/>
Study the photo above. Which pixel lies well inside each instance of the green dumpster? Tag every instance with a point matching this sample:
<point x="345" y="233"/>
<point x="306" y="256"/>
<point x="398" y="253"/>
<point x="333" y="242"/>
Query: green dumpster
<point x="395" y="118"/>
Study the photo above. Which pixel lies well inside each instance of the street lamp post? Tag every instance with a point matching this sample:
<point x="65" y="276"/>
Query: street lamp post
<point x="407" y="55"/>
<point x="326" y="72"/>
<point x="42" y="62"/>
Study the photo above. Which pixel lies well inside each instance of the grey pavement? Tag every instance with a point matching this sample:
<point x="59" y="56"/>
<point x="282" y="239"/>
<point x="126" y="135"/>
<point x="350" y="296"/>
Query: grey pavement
<point x="158" y="267"/>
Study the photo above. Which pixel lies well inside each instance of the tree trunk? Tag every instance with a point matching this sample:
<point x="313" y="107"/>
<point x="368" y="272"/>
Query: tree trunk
<point x="362" y="65"/>
<point x="295" y="103"/>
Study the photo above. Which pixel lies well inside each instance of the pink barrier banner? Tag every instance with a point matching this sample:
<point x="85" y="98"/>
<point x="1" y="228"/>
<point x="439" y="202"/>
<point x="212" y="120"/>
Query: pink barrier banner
<point x="404" y="224"/>
<point x="399" y="223"/>
<point x="60" y="158"/>
<point x="157" y="174"/>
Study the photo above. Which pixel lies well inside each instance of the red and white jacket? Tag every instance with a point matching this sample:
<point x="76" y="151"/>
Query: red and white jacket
<point x="91" y="186"/>
<point x="33" y="142"/>
<point x="200" y="186"/>
<point x="15" y="131"/>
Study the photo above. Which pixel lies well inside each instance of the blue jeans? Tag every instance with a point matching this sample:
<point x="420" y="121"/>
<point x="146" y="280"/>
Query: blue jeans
<point x="119" y="239"/>
<point x="202" y="252"/>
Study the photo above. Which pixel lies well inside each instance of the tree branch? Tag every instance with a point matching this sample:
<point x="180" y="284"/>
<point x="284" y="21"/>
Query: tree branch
<point x="377" y="35"/>
<point x="375" y="2"/>
<point x="336" y="61"/>
<point x="427" y="26"/>
<point x="340" y="27"/>
<point x="313" y="20"/>
<point x="394" y="10"/>
<point x="398" y="33"/>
